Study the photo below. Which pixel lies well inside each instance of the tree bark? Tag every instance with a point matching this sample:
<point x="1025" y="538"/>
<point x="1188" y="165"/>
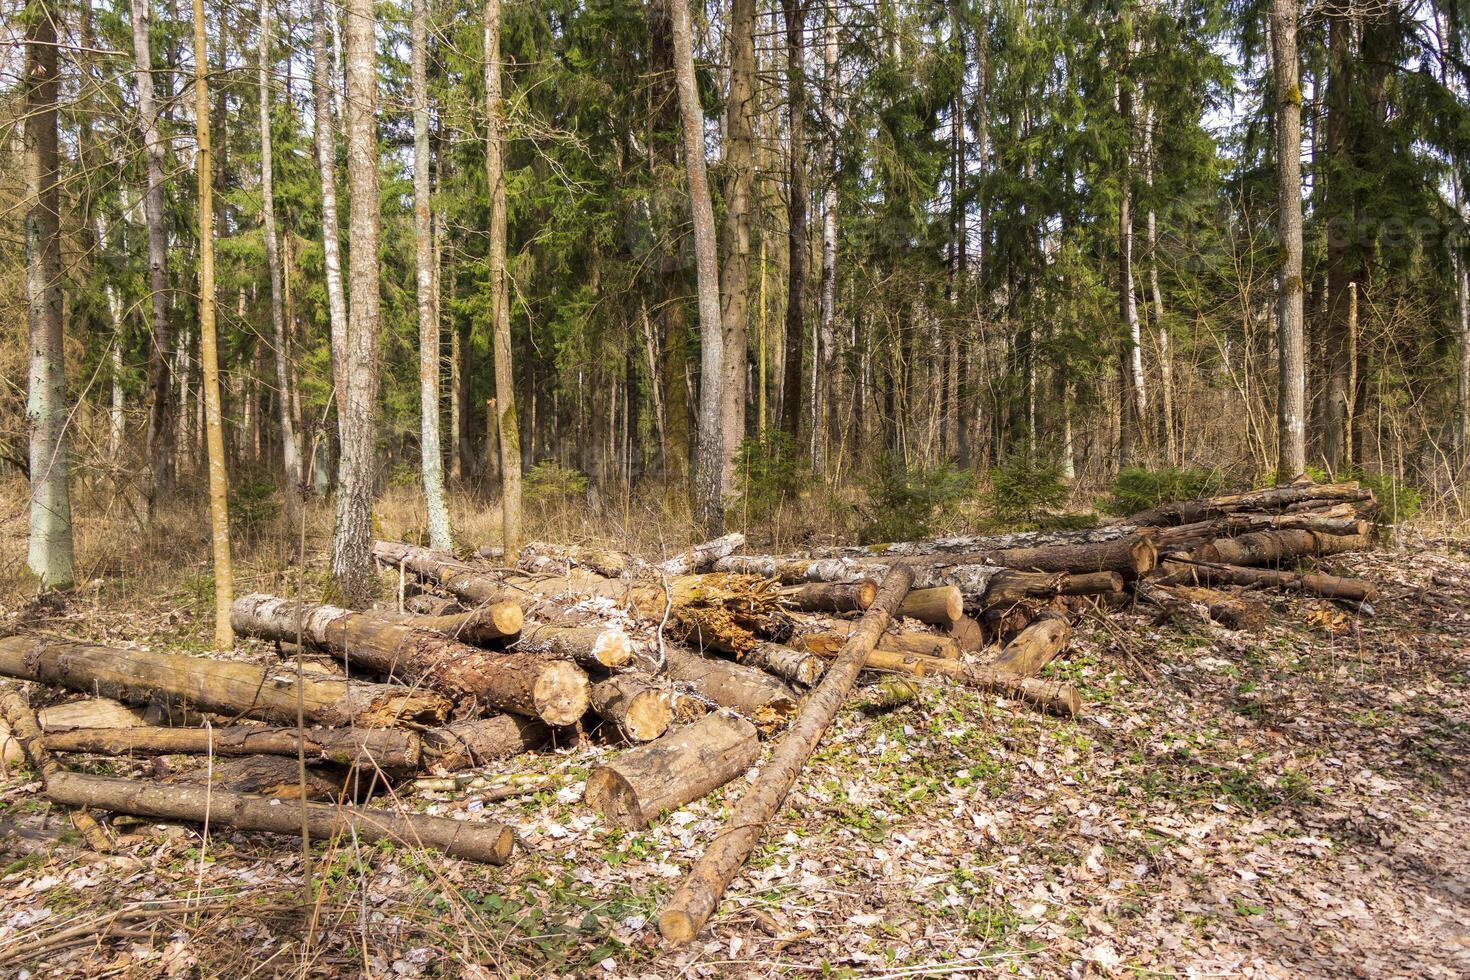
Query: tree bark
<point x="636" y="709"/>
<point x="1270" y="547"/>
<point x="709" y="464"/>
<point x="796" y="193"/>
<point x="826" y="352"/>
<point x="1035" y="647"/>
<point x="507" y="425"/>
<point x="1291" y="444"/>
<point x="681" y="767"/>
<point x="290" y="438"/>
<point x="430" y="453"/>
<point x="234" y="688"/>
<point x="160" y="443"/>
<point x="49" y="555"/>
<point x="219" y="486"/>
<point x="352" y="565"/>
<point x="467" y="744"/>
<point x="792" y="666"/>
<point x="735" y="277"/>
<point x="536" y="685"/>
<point x="487" y="624"/>
<point x="696" y="898"/>
<point x="763" y="699"/>
<point x="392" y="750"/>
<point x="1327" y="586"/>
<point x="1135" y="415"/>
<point x="326" y="158"/>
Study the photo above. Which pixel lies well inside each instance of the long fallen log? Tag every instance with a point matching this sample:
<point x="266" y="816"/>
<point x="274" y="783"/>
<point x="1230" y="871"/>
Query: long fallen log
<point x="752" y="693"/>
<point x="694" y="900"/>
<point x="20" y="723"/>
<point x="1130" y="557"/>
<point x="468" y="744"/>
<point x="1035" y="647"/>
<point x="1275" y="547"/>
<point x="684" y="765"/>
<point x="1327" y="586"/>
<point x="390" y="749"/>
<point x="637" y="708"/>
<point x="1271" y="498"/>
<point x="89" y="713"/>
<point x="538" y="685"/>
<point x="1205" y="605"/>
<point x="488" y="624"/>
<point x="229" y="687"/>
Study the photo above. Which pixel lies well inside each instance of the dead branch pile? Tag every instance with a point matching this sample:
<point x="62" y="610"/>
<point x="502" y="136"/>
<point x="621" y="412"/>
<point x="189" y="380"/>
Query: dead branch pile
<point x="690" y="662"/>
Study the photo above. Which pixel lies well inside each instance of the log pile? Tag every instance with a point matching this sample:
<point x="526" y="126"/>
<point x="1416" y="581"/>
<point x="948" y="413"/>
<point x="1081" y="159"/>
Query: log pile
<point x="693" y="666"/>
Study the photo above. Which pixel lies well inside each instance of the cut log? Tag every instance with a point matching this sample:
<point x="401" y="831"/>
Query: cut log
<point x="392" y="750"/>
<point x="488" y="624"/>
<point x="691" y="905"/>
<point x="1232" y="611"/>
<point x="484" y="841"/>
<point x="688" y="706"/>
<point x="831" y="596"/>
<point x="538" y="685"/>
<point x="968" y="634"/>
<point x="469" y="744"/>
<point x="636" y="707"/>
<point x="88" y="713"/>
<point x="681" y="767"/>
<point x="542" y="556"/>
<point x="1091" y="583"/>
<point x="924" y="644"/>
<point x="267" y="775"/>
<point x="21" y="722"/>
<point x="889" y="693"/>
<point x="790" y="665"/>
<point x="429" y="604"/>
<point x="234" y="688"/>
<point x="1130" y="557"/>
<point x="598" y="647"/>
<point x="1328" y="586"/>
<point x="752" y="693"/>
<point x="701" y="557"/>
<point x="938" y="607"/>
<point x="1035" y="647"/>
<point x="1276" y="547"/>
<point x="1271" y="498"/>
<point x="977" y="543"/>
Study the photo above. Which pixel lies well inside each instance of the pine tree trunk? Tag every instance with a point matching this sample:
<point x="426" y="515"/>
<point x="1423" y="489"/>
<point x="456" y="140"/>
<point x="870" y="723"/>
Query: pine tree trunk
<point x="219" y="490"/>
<point x="1291" y="445"/>
<point x="326" y="158"/>
<point x="431" y="455"/>
<point x="161" y="437"/>
<point x="505" y="398"/>
<point x="50" y="555"/>
<point x="796" y="193"/>
<point x="290" y="437"/>
<point x="1337" y="207"/>
<point x="735" y="277"/>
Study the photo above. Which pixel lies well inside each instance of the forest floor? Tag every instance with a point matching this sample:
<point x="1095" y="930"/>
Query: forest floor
<point x="1286" y="804"/>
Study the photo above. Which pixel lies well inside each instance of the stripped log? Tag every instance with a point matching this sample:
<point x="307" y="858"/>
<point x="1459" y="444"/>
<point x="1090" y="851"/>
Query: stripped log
<point x="390" y="749"/>
<point x="234" y="688"/>
<point x="475" y="742"/>
<point x="924" y="644"/>
<point x="831" y="596"/>
<point x="938" y="607"/>
<point x="597" y="647"/>
<point x="636" y="707"/>
<point x="1327" y="586"/>
<point x="684" y="765"/>
<point x="968" y="634"/>
<point x="753" y="693"/>
<point x="1035" y="647"/>
<point x="691" y="905"/>
<point x="539" y="685"/>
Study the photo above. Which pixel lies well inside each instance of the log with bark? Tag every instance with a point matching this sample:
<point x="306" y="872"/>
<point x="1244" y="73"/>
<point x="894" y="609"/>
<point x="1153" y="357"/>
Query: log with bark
<point x="596" y="647"/>
<point x="233" y="688"/>
<point x="684" y="765"/>
<point x="1035" y="647"/>
<point x="792" y="666"/>
<point x="827" y="644"/>
<point x="637" y="707"/>
<point x="694" y="900"/>
<point x="1276" y="547"/>
<point x="489" y="624"/>
<point x="87" y="713"/>
<point x="1205" y="605"/>
<point x="750" y="692"/>
<point x="941" y="606"/>
<point x="21" y="723"/>
<point x="538" y="685"/>
<point x="831" y="596"/>
<point x="475" y="742"/>
<point x="390" y="749"/>
<point x="274" y="776"/>
<point x="1269" y="499"/>
<point x="1328" y="586"/>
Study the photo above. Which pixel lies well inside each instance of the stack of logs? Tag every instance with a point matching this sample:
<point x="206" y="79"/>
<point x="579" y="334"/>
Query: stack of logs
<point x="692" y="661"/>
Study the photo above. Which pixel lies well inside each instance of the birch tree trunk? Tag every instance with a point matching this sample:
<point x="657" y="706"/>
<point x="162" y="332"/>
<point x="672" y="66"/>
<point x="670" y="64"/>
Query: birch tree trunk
<point x="219" y="489"/>
<point x="326" y="158"/>
<point x="505" y="396"/>
<point x="290" y="438"/>
<point x="117" y="422"/>
<point x="708" y="491"/>
<point x="795" y="13"/>
<point x="50" y="533"/>
<point x="740" y="161"/>
<point x="431" y="455"/>
<point x="827" y="333"/>
<point x="1167" y="436"/>
<point x="1127" y="297"/>
<point x="1462" y="277"/>
<point x="352" y="554"/>
<point x="1291" y="445"/>
<point x="160" y="440"/>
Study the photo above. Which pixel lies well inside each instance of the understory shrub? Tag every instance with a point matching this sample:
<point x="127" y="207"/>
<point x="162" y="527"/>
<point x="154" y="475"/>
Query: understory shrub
<point x="1025" y="490"/>
<point x="1137" y="488"/>
<point x="905" y="501"/>
<point x="770" y="473"/>
<point x="549" y="482"/>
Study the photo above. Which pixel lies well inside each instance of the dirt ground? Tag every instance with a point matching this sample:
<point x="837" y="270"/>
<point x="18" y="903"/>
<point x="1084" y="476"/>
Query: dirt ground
<point x="1284" y="804"/>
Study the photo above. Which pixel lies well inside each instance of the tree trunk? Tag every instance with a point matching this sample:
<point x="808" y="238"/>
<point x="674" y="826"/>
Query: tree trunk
<point x="352" y="559"/>
<point x="326" y="157"/>
<point x="831" y="596"/>
<point x="219" y="488"/>
<point x="735" y="277"/>
<point x="1328" y="586"/>
<point x="487" y="624"/>
<point x="49" y="554"/>
<point x="1341" y="271"/>
<point x="290" y="438"/>
<point x="160" y="440"/>
<point x="1291" y="445"/>
<point x="754" y="694"/>
<point x="696" y="898"/>
<point x="430" y="453"/>
<point x="1135" y="415"/>
<point x="505" y="400"/>
<point x="1168" y="437"/>
<point x="234" y="688"/>
<point x="709" y="468"/>
<point x="796" y="192"/>
<point x="541" y="686"/>
<point x="1270" y="547"/>
<point x="683" y="766"/>
<point x="827" y="335"/>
